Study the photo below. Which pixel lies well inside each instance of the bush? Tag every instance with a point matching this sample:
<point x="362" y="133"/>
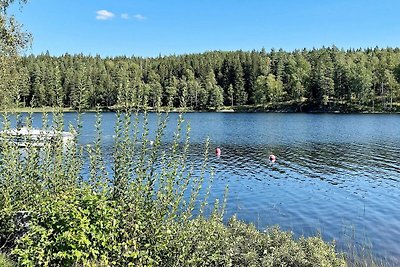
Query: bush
<point x="5" y="262"/>
<point x="76" y="227"/>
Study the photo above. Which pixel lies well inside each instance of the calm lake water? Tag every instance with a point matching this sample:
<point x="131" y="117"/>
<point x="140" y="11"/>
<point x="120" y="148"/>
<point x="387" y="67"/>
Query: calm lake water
<point x="335" y="174"/>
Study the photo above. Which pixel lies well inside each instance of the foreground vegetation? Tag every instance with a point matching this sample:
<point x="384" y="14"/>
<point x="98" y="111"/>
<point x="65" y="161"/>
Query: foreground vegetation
<point x="62" y="206"/>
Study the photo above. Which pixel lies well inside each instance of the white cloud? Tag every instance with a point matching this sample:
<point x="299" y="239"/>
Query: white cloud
<point x="139" y="17"/>
<point x="104" y="15"/>
<point x="125" y="16"/>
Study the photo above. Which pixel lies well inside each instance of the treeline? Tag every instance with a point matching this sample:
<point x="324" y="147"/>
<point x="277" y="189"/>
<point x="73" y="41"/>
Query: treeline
<point x="318" y="78"/>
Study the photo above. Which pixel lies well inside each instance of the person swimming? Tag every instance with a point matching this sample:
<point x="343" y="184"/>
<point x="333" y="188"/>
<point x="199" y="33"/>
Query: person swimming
<point x="272" y="158"/>
<point x="218" y="151"/>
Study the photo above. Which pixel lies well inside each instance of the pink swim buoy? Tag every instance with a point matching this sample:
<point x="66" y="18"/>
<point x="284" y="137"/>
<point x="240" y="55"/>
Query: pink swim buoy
<point x="272" y="158"/>
<point x="218" y="152"/>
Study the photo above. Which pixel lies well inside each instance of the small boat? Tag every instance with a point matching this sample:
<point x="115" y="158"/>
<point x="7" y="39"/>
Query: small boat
<point x="24" y="136"/>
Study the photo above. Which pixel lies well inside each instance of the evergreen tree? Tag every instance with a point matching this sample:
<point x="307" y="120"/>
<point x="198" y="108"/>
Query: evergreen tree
<point x="342" y="77"/>
<point x="171" y="92"/>
<point x="194" y="90"/>
<point x="57" y="88"/>
<point x="79" y="93"/>
<point x="39" y="94"/>
<point x="215" y="91"/>
<point x="230" y="93"/>
<point x="323" y="83"/>
<point x="183" y="92"/>
<point x="238" y="84"/>
<point x="23" y="85"/>
<point x="156" y="89"/>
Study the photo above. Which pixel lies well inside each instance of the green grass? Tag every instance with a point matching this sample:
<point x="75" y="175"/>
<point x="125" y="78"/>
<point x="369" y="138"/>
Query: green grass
<point x="283" y="106"/>
<point x="41" y="110"/>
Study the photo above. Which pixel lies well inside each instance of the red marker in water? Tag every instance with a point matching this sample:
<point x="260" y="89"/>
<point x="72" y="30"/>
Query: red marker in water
<point x="272" y="158"/>
<point x="218" y="152"/>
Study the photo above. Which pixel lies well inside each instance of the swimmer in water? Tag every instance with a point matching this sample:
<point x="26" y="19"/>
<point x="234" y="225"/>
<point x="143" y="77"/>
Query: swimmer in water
<point x="272" y="158"/>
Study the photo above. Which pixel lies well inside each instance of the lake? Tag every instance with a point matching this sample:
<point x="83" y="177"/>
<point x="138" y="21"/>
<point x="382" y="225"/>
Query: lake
<point x="337" y="174"/>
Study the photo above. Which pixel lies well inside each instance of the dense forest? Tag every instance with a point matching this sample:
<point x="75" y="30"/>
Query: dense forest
<point x="301" y="80"/>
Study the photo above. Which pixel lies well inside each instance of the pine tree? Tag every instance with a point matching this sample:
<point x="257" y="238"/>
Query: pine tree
<point x="171" y="92"/>
<point x="156" y="89"/>
<point x="238" y="84"/>
<point x="323" y="83"/>
<point x="79" y="93"/>
<point x="215" y="93"/>
<point x="230" y="93"/>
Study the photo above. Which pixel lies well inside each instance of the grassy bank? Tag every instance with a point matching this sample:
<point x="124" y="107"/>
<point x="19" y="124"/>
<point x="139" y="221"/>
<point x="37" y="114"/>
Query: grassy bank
<point x="149" y="209"/>
<point x="281" y="107"/>
<point x="41" y="110"/>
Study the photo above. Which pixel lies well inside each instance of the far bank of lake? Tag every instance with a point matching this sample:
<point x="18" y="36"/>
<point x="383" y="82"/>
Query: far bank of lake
<point x="284" y="107"/>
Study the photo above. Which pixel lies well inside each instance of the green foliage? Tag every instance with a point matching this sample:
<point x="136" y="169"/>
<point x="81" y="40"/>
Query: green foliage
<point x="13" y="80"/>
<point x="268" y="89"/>
<point x="74" y="227"/>
<point x="319" y="78"/>
<point x="214" y="91"/>
<point x="146" y="211"/>
<point x="12" y="38"/>
<point x="5" y="262"/>
<point x="208" y="242"/>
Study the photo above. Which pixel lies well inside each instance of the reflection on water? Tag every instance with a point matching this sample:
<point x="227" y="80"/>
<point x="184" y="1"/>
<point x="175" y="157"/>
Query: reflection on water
<point x="332" y="171"/>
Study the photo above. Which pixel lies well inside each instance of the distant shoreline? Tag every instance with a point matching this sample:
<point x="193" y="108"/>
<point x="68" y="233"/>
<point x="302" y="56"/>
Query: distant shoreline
<point x="241" y="109"/>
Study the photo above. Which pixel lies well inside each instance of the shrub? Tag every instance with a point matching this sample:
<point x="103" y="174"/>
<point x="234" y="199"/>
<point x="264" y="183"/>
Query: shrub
<point x="5" y="262"/>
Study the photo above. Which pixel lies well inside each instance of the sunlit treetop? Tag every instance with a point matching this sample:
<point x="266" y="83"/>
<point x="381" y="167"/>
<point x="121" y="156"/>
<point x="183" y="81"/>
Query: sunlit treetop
<point x="12" y="37"/>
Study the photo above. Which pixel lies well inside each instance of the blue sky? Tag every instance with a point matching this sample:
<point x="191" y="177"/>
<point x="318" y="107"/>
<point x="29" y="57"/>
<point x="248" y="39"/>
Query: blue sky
<point x="151" y="27"/>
